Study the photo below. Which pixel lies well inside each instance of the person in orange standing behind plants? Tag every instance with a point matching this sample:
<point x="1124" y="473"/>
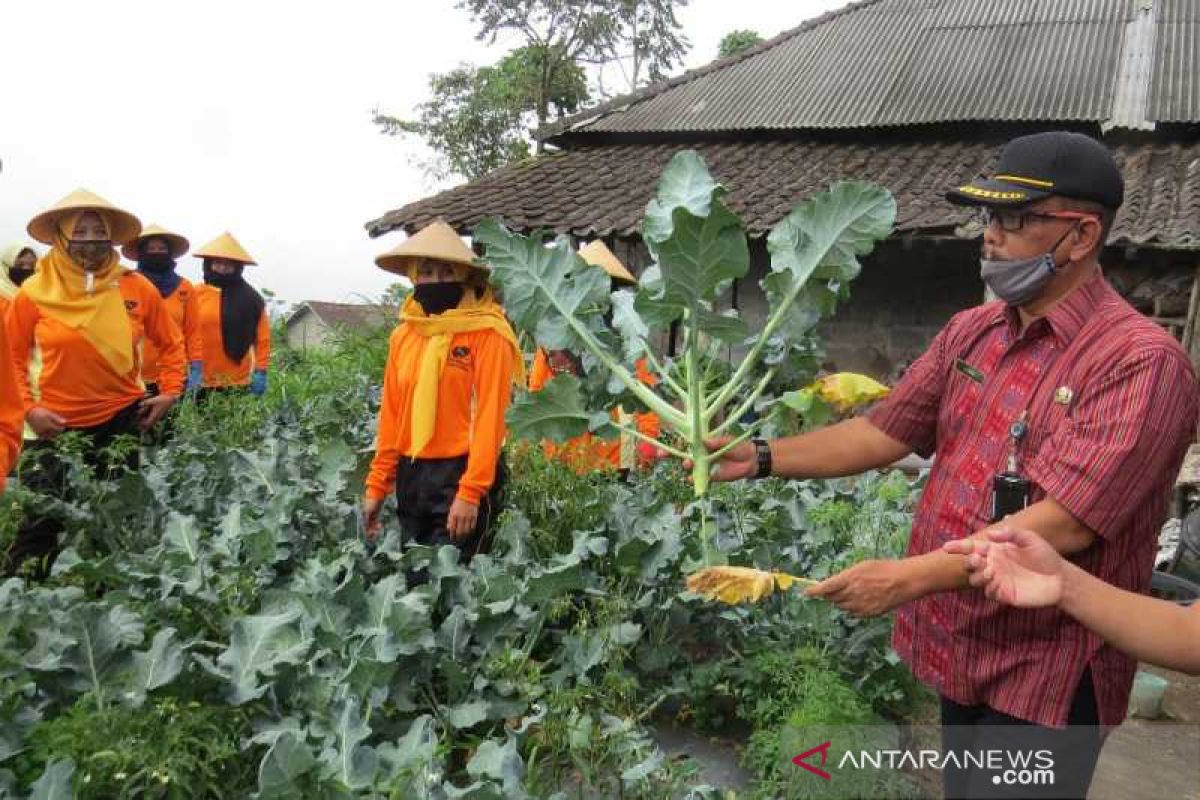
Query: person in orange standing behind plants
<point x="155" y="252"/>
<point x="89" y="317"/>
<point x="588" y="452"/>
<point x="451" y="364"/>
<point x="18" y="262"/>
<point x="12" y="407"/>
<point x="235" y="333"/>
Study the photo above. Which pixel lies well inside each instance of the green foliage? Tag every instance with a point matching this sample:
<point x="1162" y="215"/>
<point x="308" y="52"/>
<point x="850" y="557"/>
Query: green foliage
<point x="218" y="620"/>
<point x="735" y="42"/>
<point x="168" y="749"/>
<point x="643" y="34"/>
<point x="469" y="121"/>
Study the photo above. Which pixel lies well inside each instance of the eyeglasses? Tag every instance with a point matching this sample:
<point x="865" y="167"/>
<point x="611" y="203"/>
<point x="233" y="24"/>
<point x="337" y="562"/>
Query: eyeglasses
<point x="1013" y="220"/>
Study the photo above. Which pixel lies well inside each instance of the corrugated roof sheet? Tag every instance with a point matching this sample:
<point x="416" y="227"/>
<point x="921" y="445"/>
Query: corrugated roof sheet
<point x="1175" y="93"/>
<point x="883" y="63"/>
<point x="602" y="190"/>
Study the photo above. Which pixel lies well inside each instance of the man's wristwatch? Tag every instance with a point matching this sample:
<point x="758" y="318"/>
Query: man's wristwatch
<point x="763" y="453"/>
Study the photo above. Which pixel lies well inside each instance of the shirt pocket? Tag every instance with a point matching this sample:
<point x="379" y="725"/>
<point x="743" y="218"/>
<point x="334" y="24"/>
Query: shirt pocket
<point x="1055" y="423"/>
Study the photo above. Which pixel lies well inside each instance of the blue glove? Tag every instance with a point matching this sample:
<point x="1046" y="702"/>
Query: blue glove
<point x="195" y="377"/>
<point x="258" y="382"/>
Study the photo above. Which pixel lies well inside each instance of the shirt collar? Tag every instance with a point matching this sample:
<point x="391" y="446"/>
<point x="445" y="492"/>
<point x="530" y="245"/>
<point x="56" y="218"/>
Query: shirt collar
<point x="1066" y="317"/>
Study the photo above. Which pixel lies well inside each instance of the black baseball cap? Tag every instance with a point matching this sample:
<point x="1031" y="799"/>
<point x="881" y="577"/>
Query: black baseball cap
<point x="1043" y="164"/>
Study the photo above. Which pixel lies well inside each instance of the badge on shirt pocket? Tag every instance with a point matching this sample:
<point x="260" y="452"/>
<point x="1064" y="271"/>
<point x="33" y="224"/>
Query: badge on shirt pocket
<point x="968" y="370"/>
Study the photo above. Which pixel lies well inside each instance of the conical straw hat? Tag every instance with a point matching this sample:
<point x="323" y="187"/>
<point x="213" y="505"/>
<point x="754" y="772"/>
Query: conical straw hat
<point x="175" y="243"/>
<point x="598" y="255"/>
<point x="125" y="225"/>
<point x="436" y="241"/>
<point x="227" y="248"/>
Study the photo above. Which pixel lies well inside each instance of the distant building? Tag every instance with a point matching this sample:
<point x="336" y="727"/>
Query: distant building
<point x="312" y="322"/>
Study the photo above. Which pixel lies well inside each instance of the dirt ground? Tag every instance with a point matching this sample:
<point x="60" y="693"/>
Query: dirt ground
<point x="1155" y="759"/>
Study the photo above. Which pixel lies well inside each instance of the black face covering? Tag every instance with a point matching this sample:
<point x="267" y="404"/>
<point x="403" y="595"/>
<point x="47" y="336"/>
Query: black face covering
<point x="241" y="308"/>
<point x="19" y="276"/>
<point x="156" y="262"/>
<point x="438" y="297"/>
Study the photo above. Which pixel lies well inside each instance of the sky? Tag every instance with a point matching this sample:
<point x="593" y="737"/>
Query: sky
<point x="253" y="117"/>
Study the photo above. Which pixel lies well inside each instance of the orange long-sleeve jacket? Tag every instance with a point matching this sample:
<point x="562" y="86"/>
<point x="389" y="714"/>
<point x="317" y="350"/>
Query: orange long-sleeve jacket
<point x="219" y="370"/>
<point x="12" y="407"/>
<point x="76" y="382"/>
<point x="183" y="310"/>
<point x="473" y="395"/>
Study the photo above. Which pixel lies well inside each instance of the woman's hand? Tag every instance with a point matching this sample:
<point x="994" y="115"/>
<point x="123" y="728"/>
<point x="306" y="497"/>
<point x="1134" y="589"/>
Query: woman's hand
<point x="460" y="523"/>
<point x="370" y="515"/>
<point x="153" y="409"/>
<point x="45" y="423"/>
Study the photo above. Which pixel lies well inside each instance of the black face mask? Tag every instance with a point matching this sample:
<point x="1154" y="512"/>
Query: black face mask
<point x="438" y="297"/>
<point x="220" y="279"/>
<point x="19" y="276"/>
<point x="156" y="262"/>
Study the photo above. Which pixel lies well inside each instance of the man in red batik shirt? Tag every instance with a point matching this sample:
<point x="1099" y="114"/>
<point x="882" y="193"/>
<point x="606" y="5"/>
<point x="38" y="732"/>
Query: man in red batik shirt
<point x="1058" y="407"/>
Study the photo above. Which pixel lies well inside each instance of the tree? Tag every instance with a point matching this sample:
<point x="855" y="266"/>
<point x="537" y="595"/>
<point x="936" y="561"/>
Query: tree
<point x="475" y="119"/>
<point x="469" y="120"/>
<point x="568" y="33"/>
<point x="736" y="41"/>
<point x="653" y="39"/>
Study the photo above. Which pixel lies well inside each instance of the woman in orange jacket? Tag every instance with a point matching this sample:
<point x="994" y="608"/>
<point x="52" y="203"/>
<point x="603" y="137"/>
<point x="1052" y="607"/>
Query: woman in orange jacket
<point x="451" y="364"/>
<point x="89" y="318"/>
<point x="235" y="333"/>
<point x="155" y="251"/>
<point x="17" y="263"/>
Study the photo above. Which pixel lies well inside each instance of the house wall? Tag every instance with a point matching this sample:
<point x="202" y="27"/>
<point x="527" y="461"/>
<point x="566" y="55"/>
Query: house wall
<point x="306" y="331"/>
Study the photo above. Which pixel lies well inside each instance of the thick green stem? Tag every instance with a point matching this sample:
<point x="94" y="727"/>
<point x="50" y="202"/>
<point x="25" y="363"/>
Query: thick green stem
<point x="701" y="460"/>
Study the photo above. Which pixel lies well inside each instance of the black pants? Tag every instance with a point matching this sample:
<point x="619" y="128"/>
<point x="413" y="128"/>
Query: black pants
<point x="425" y="489"/>
<point x="44" y="472"/>
<point x="980" y="728"/>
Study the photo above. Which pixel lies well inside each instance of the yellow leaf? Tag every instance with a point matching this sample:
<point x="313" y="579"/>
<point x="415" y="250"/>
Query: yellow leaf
<point x="848" y="390"/>
<point x="732" y="585"/>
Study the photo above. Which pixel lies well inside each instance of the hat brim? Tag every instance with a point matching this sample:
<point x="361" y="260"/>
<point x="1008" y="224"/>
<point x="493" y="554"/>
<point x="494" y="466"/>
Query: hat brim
<point x="126" y="227"/>
<point x="399" y="263"/>
<point x="991" y="192"/>
<point x="176" y="245"/>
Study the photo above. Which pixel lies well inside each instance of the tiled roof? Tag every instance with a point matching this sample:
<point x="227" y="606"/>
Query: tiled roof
<point x="596" y="191"/>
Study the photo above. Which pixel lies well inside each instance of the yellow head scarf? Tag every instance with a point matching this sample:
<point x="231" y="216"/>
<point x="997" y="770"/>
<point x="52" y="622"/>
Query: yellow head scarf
<point x="475" y="312"/>
<point x="91" y="303"/>
<point x="8" y="258"/>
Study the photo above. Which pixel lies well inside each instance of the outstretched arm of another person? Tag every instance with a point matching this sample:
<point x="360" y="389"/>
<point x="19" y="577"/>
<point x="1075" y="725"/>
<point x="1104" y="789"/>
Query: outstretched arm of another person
<point x="1019" y="568"/>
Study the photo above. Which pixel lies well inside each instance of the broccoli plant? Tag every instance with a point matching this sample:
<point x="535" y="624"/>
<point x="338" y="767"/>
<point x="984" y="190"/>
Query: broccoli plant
<point x="699" y="247"/>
